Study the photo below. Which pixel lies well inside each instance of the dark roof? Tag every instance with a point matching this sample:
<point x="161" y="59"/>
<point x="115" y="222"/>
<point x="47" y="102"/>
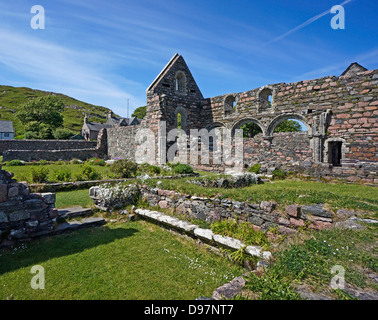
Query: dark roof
<point x="6" y="126"/>
<point x="97" y="126"/>
<point x="123" y="121"/>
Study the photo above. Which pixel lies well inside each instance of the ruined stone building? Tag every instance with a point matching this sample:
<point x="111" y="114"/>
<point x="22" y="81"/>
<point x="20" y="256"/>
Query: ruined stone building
<point x="340" y="114"/>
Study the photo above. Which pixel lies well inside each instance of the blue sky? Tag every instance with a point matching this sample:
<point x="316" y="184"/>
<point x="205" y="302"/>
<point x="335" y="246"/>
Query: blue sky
<point x="104" y="52"/>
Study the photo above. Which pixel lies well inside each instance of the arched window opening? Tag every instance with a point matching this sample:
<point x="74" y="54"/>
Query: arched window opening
<point x="180" y="82"/>
<point x="250" y="130"/>
<point x="230" y="105"/>
<point x="265" y="99"/>
<point x="179" y="121"/>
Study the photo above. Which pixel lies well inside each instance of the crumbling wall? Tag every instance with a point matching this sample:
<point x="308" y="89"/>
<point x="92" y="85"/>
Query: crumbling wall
<point x="23" y="215"/>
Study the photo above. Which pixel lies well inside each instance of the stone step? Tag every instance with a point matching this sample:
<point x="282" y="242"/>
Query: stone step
<point x="68" y="213"/>
<point x="84" y="223"/>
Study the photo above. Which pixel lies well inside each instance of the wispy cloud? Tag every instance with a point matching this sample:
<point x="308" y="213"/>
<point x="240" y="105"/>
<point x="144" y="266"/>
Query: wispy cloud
<point x="49" y="66"/>
<point x="304" y="24"/>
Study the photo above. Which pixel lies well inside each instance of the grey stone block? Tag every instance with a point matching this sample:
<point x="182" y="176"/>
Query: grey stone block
<point x="316" y="210"/>
<point x="19" y="215"/>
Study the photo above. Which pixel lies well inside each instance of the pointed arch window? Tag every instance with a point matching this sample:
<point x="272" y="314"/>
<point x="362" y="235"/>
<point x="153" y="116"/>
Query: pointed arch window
<point x="180" y="82"/>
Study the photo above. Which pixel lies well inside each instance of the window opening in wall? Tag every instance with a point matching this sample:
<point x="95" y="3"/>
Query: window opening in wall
<point x="290" y="125"/>
<point x="270" y="101"/>
<point x="229" y="105"/>
<point x="250" y="129"/>
<point x="180" y="82"/>
<point x="265" y="98"/>
<point x="334" y="153"/>
<point x="179" y="121"/>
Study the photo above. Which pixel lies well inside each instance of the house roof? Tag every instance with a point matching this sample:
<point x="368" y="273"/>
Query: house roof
<point x="6" y="126"/>
<point x="97" y="126"/>
<point x="123" y="121"/>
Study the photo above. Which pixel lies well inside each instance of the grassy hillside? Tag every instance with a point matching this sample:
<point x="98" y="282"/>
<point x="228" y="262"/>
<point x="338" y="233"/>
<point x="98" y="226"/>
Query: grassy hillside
<point x="13" y="97"/>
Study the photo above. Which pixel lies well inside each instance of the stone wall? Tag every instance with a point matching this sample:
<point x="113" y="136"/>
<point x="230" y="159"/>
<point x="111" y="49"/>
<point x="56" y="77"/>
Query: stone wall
<point x="23" y="215"/>
<point x="121" y="142"/>
<point x="263" y="215"/>
<point x="53" y="150"/>
<point x="36" y="145"/>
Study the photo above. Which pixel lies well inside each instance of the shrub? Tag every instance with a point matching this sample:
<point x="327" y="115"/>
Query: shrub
<point x="149" y="168"/>
<point x="255" y="168"/>
<point x="76" y="161"/>
<point x="63" y="134"/>
<point x="279" y="174"/>
<point x="124" y="168"/>
<point x="96" y="162"/>
<point x="62" y="175"/>
<point x="39" y="174"/>
<point x="43" y="162"/>
<point x="181" y="168"/>
<point x="89" y="173"/>
<point x="15" y="163"/>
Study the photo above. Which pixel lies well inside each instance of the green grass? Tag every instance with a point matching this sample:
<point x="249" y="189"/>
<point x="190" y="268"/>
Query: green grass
<point x="285" y="192"/>
<point x="310" y="258"/>
<point x="23" y="173"/>
<point x="134" y="260"/>
<point x="74" y="198"/>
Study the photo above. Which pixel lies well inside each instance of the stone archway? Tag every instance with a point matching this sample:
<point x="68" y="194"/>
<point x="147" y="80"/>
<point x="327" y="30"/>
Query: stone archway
<point x="243" y="121"/>
<point x="287" y="116"/>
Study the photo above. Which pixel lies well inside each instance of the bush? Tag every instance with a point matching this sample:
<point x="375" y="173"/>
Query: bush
<point x="181" y="168"/>
<point x="63" y="175"/>
<point x="96" y="162"/>
<point x="149" y="168"/>
<point x="76" y="161"/>
<point x="63" y="134"/>
<point x="39" y="174"/>
<point x="255" y="168"/>
<point x="88" y="173"/>
<point x="124" y="168"/>
<point x="15" y="163"/>
<point x="279" y="174"/>
<point x="43" y="162"/>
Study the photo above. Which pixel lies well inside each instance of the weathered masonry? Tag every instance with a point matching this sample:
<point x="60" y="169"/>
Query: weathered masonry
<point x="339" y="113"/>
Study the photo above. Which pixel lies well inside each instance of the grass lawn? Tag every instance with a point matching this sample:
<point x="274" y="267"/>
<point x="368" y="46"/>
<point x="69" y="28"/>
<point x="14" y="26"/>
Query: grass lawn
<point x="74" y="198"/>
<point x="307" y="261"/>
<point x="134" y="260"/>
<point x="285" y="192"/>
<point x="23" y="173"/>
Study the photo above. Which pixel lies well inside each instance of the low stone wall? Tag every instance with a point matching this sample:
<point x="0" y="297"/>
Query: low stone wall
<point x="54" y="150"/>
<point x="23" y="215"/>
<point x="51" y="155"/>
<point x="36" y="145"/>
<point x="263" y="216"/>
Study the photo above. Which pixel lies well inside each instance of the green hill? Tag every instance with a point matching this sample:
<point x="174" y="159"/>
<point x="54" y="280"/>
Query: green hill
<point x="11" y="98"/>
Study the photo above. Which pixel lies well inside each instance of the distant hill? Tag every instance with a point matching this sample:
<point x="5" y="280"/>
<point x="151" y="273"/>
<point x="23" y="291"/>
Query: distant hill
<point x="13" y="97"/>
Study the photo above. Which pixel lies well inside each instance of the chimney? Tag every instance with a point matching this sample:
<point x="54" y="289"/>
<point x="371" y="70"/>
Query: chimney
<point x="85" y="118"/>
<point x="110" y="114"/>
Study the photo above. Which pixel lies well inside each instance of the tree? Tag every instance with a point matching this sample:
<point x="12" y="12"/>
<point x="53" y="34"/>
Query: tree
<point x="288" y="126"/>
<point x="41" y="116"/>
<point x="250" y="129"/>
<point x="140" y="112"/>
<point x="63" y="134"/>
